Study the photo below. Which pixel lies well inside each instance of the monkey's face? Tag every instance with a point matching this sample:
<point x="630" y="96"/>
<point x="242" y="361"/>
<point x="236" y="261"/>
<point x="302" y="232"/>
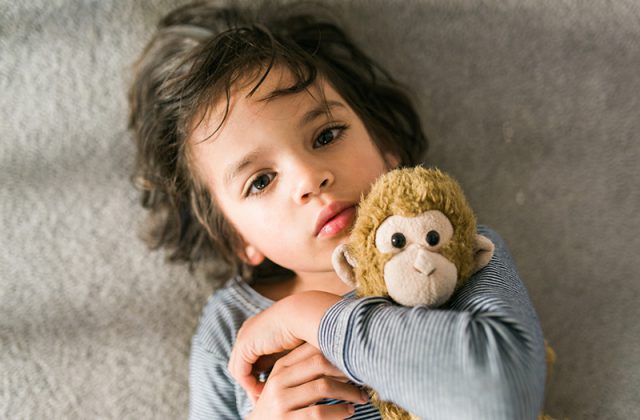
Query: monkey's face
<point x="404" y="244"/>
<point x="417" y="272"/>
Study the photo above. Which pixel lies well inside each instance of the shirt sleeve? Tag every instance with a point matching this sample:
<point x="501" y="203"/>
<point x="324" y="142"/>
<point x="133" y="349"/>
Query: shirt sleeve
<point x="212" y="393"/>
<point x="482" y="357"/>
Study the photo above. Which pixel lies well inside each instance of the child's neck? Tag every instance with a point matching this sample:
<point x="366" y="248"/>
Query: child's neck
<point x="323" y="281"/>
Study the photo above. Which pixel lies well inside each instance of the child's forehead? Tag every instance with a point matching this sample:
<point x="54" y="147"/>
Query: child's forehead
<point x="244" y="105"/>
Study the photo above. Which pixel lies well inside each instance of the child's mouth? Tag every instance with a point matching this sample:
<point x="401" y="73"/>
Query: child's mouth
<point x="337" y="223"/>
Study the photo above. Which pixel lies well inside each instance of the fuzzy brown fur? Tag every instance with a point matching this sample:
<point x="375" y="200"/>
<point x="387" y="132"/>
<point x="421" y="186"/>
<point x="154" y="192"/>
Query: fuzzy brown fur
<point x="409" y="192"/>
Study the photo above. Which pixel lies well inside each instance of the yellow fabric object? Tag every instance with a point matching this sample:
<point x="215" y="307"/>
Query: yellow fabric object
<point x="551" y="359"/>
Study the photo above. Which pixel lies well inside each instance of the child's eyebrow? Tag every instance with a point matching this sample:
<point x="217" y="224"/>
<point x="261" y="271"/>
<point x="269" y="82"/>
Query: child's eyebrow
<point x="235" y="169"/>
<point x="322" y="109"/>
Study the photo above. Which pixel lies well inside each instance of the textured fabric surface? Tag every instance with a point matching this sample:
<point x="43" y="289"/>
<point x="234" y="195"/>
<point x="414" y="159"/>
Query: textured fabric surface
<point x="483" y="359"/>
<point x="531" y="104"/>
<point x="213" y="392"/>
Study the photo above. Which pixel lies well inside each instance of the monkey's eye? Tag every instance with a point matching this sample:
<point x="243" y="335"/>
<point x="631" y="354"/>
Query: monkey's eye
<point x="398" y="240"/>
<point x="433" y="238"/>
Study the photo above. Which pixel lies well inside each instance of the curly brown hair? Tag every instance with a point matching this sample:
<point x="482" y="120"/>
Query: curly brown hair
<point x="192" y="61"/>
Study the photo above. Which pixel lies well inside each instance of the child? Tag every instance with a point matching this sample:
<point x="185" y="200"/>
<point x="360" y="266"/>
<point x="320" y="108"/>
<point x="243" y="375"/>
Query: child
<point x="257" y="135"/>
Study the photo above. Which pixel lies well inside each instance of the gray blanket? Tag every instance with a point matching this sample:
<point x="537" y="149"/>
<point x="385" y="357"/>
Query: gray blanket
<point x="532" y="105"/>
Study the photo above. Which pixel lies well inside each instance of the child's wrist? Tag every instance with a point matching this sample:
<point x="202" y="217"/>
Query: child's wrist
<point x="306" y="310"/>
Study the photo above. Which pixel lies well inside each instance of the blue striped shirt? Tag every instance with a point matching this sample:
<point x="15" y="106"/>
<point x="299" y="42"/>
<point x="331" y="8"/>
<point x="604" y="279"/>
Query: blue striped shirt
<point x="482" y="357"/>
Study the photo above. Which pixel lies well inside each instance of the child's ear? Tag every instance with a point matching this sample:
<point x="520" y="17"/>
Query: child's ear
<point x="252" y="256"/>
<point x="391" y="160"/>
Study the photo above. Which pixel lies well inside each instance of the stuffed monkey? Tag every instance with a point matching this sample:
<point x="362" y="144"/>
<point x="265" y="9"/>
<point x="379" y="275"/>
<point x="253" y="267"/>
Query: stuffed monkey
<point x="415" y="241"/>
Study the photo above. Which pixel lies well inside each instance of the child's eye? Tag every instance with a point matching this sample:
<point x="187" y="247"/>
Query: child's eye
<point x="328" y="136"/>
<point x="259" y="183"/>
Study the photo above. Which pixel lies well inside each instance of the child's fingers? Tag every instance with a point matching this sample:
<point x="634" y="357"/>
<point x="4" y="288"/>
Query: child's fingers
<point x="325" y="412"/>
<point x="321" y="388"/>
<point x="266" y="362"/>
<point x="305" y="353"/>
<point x="314" y="367"/>
<point x="240" y="365"/>
<point x="300" y="353"/>
<point x="241" y="369"/>
<point x="246" y="373"/>
<point x="251" y="385"/>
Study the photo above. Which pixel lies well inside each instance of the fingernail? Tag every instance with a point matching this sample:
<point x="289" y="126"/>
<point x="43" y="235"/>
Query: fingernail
<point x="365" y="396"/>
<point x="351" y="408"/>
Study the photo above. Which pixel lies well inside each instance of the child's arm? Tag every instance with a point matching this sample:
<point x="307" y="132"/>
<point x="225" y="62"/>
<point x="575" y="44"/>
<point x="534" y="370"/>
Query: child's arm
<point x="484" y="359"/>
<point x="297" y="381"/>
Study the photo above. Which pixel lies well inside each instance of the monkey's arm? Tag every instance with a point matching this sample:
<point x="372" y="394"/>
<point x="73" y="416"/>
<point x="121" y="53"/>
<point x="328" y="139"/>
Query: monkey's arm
<point x="481" y="358"/>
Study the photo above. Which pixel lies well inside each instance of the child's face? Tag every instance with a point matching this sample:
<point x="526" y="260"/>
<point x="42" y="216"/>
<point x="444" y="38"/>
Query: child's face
<point x="279" y="168"/>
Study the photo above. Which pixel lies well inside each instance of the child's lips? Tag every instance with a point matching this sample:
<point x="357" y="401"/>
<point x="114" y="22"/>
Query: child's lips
<point x="337" y="223"/>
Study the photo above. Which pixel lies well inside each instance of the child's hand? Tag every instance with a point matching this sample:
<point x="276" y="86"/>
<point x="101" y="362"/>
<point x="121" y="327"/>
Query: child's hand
<point x="299" y="380"/>
<point x="284" y="326"/>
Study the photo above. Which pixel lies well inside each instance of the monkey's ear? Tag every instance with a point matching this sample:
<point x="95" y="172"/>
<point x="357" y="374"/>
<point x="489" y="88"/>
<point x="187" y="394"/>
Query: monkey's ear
<point x="483" y="251"/>
<point x="343" y="264"/>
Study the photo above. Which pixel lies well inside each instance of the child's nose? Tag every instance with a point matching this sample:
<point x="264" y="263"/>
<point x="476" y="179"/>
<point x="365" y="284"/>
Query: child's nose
<point x="311" y="182"/>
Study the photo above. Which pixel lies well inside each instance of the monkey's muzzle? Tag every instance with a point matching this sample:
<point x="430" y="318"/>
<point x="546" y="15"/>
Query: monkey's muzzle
<point x="417" y="276"/>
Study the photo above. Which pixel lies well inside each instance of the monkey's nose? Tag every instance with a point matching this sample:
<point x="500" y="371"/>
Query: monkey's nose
<point x="424" y="263"/>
